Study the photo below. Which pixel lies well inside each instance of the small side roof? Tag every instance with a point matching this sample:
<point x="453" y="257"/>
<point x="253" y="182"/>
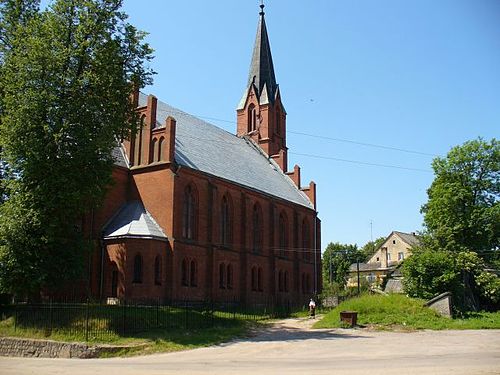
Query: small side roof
<point x="133" y="221"/>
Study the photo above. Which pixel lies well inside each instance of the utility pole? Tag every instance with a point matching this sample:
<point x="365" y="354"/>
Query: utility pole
<point x="357" y="270"/>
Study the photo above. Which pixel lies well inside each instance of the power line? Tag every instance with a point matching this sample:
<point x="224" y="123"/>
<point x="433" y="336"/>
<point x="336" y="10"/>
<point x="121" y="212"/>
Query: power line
<point x="344" y="140"/>
<point x="218" y="140"/>
<point x="361" y="162"/>
<point x="363" y="143"/>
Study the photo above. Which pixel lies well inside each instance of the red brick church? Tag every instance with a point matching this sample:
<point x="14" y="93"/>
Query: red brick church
<point x="197" y="213"/>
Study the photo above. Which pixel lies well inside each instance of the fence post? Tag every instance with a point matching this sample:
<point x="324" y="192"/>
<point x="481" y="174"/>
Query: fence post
<point x="212" y="312"/>
<point x="15" y="316"/>
<point x="50" y="316"/>
<point x="124" y="317"/>
<point x="158" y="313"/>
<point x="87" y="321"/>
<point x="234" y="308"/>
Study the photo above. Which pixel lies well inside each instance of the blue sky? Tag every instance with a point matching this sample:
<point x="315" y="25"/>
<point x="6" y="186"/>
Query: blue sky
<point x="418" y="75"/>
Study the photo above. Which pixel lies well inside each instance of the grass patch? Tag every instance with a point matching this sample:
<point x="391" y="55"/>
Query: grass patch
<point x="403" y="313"/>
<point x="201" y="329"/>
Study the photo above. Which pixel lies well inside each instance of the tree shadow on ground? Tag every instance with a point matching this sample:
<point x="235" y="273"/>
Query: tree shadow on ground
<point x="282" y="332"/>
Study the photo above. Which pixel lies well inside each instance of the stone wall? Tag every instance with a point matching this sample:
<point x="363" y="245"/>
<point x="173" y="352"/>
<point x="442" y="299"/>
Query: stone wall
<point x="19" y="347"/>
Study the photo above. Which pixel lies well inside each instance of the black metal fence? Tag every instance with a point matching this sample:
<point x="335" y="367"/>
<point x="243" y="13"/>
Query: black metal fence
<point x="92" y="321"/>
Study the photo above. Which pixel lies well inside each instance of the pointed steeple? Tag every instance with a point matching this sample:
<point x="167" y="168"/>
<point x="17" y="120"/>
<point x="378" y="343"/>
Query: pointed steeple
<point x="260" y="112"/>
<point x="262" y="68"/>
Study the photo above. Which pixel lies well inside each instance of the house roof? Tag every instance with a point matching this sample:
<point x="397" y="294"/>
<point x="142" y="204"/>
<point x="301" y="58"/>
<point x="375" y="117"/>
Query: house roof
<point x="409" y="238"/>
<point x="371" y="266"/>
<point x="204" y="147"/>
<point x="133" y="221"/>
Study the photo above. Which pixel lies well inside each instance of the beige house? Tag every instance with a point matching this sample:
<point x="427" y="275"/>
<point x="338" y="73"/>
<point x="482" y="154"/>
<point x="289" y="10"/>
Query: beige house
<point x="389" y="255"/>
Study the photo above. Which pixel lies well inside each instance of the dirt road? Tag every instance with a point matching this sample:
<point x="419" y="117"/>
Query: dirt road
<point x="291" y="347"/>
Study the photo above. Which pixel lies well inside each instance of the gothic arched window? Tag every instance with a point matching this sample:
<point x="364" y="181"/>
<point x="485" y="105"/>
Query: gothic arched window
<point x="283" y="234"/>
<point x="252" y="118"/>
<point x="184" y="273"/>
<point x="189" y="214"/>
<point x="257" y="228"/>
<point x="222" y="276"/>
<point x="225" y="227"/>
<point x="193" y="276"/>
<point x="229" y="277"/>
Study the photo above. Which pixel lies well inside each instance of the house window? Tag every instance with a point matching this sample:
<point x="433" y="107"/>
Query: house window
<point x="283" y="233"/>
<point x="257" y="229"/>
<point x="184" y="273"/>
<point x="137" y="269"/>
<point x="394" y="242"/>
<point x="222" y="276"/>
<point x="388" y="256"/>
<point x="285" y="281"/>
<point x="401" y="255"/>
<point x="189" y="214"/>
<point x="157" y="271"/>
<point x="225" y="222"/>
<point x="229" y="276"/>
<point x="193" y="275"/>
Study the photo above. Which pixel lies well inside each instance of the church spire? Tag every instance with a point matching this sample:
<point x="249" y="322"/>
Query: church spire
<point x="260" y="113"/>
<point x="262" y="68"/>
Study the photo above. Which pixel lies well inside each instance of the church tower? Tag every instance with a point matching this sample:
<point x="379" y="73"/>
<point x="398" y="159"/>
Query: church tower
<point x="260" y="113"/>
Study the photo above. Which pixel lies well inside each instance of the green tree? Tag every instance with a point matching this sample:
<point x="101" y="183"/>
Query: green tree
<point x="463" y="210"/>
<point x="462" y="221"/>
<point x="66" y="77"/>
<point x="370" y="247"/>
<point x="336" y="260"/>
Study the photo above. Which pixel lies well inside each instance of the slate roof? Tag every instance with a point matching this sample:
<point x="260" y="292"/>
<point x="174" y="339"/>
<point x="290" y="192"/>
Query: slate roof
<point x="206" y="148"/>
<point x="409" y="238"/>
<point x="262" y="68"/>
<point x="133" y="221"/>
<point x="119" y="157"/>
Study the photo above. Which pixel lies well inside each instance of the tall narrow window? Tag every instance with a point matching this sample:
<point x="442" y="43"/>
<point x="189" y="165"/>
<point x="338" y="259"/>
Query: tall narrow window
<point x="189" y="214"/>
<point x="257" y="229"/>
<point x="278" y="121"/>
<point x="157" y="271"/>
<point x="283" y="233"/>
<point x="222" y="276"/>
<point x="306" y="240"/>
<point x="229" y="277"/>
<point x="184" y="273"/>
<point x="285" y="281"/>
<point x="252" y="118"/>
<point x="155" y="149"/>
<point x="225" y="222"/>
<point x="303" y="278"/>
<point x="138" y="142"/>
<point x="254" y="278"/>
<point x="259" y="280"/>
<point x="193" y="275"/>
<point x="161" y="146"/>
<point x="114" y="280"/>
<point x="137" y="269"/>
